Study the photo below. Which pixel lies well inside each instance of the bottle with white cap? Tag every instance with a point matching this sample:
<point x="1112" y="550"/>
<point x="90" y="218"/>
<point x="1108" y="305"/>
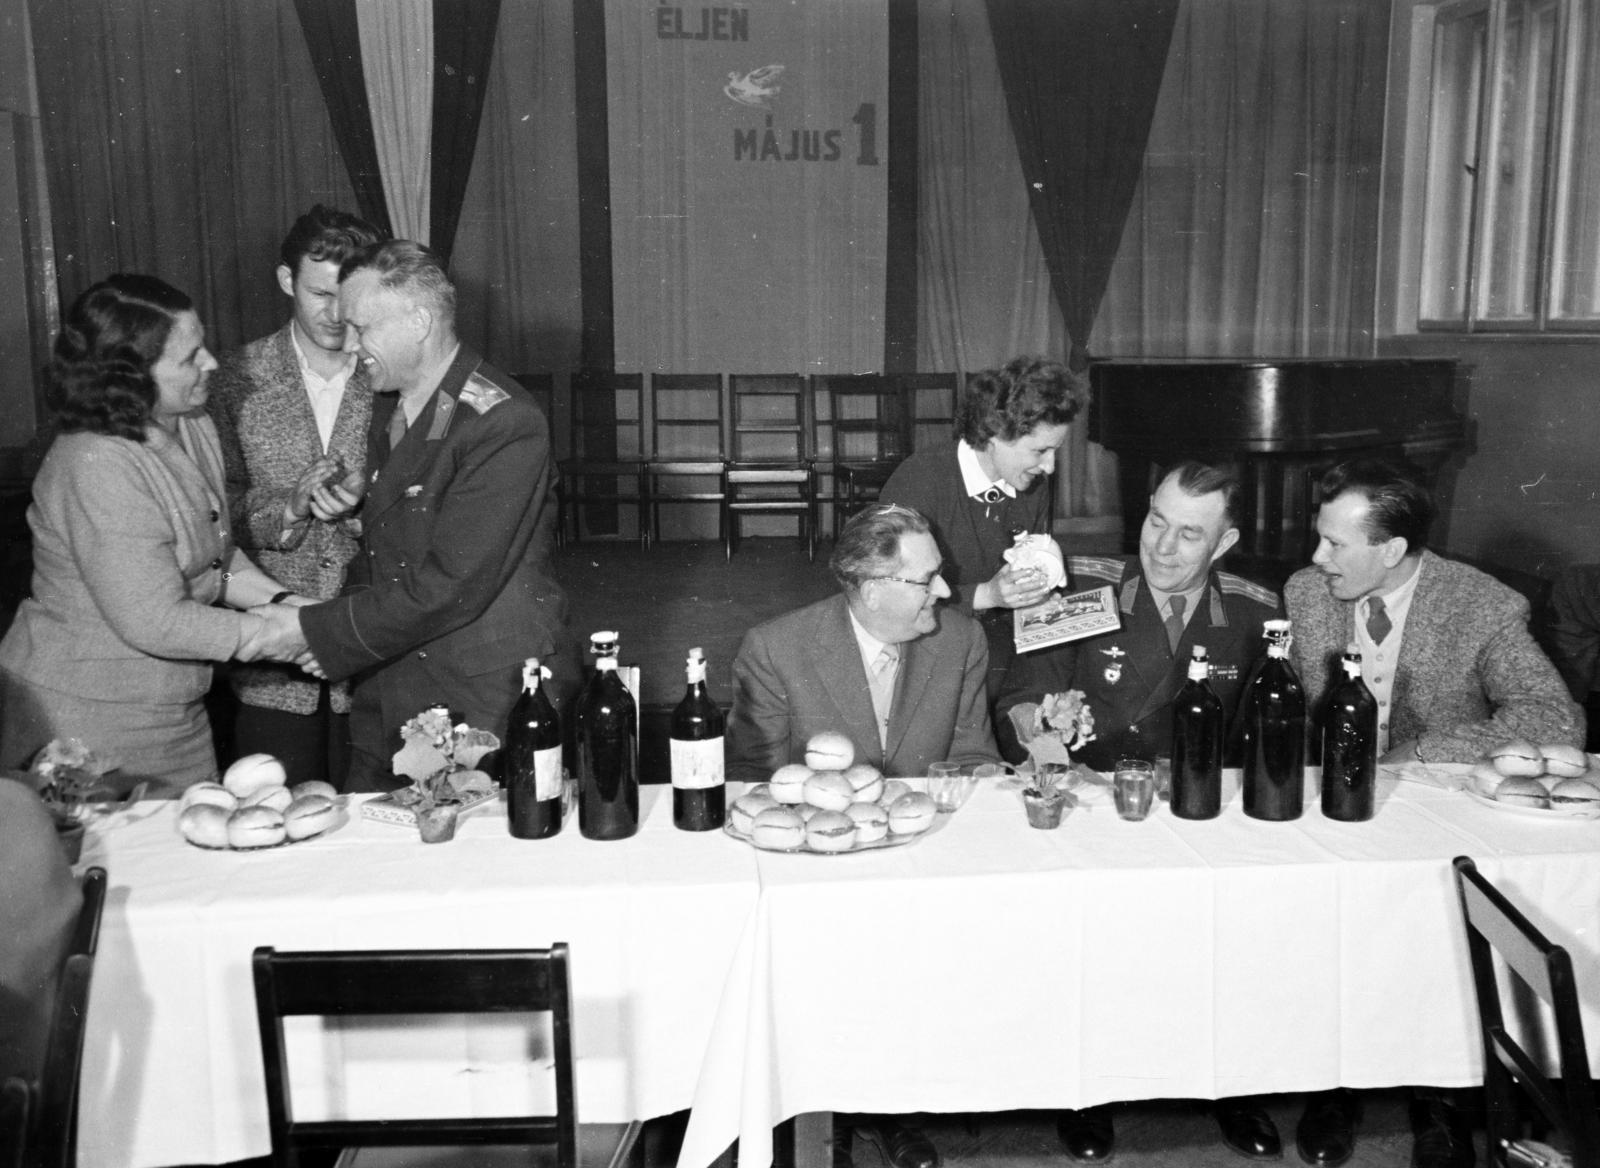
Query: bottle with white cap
<point x="1274" y="717"/>
<point x="1350" y="745"/>
<point x="532" y="775"/>
<point x="608" y="748"/>
<point x="699" y="791"/>
<point x="1197" y="734"/>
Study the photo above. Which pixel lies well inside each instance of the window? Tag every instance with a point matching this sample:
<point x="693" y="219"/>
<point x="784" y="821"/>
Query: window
<point x="1511" y="188"/>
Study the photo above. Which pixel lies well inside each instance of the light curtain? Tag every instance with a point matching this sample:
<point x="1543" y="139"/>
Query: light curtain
<point x="1254" y="231"/>
<point x="182" y="140"/>
<point x="748" y="205"/>
<point x="397" y="61"/>
<point x="516" y="249"/>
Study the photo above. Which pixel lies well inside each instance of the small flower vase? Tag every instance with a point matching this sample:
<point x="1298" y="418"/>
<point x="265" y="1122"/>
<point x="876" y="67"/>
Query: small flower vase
<point x="437" y="824"/>
<point x="1044" y="810"/>
<point x="69" y="833"/>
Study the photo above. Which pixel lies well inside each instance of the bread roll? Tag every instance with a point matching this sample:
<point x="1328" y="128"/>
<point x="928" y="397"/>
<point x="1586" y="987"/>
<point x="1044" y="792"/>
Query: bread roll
<point x="1485" y="778"/>
<point x="830" y="751"/>
<point x="314" y="787"/>
<point x="1575" y="793"/>
<point x="253" y="772"/>
<point x="1522" y="791"/>
<point x="310" y="815"/>
<point x="867" y="782"/>
<point x="893" y="791"/>
<point x="1567" y="762"/>
<point x="872" y="822"/>
<point x="788" y="783"/>
<point x="208" y="795"/>
<point x="759" y="789"/>
<point x="255" y="827"/>
<point x="830" y="831"/>
<point x="830" y="791"/>
<point x="1517" y="757"/>
<point x="277" y="798"/>
<point x="778" y="828"/>
<point x="745" y="809"/>
<point x="205" y="825"/>
<point x="911" y="814"/>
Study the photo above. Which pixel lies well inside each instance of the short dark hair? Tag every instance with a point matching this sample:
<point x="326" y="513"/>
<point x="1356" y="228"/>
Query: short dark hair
<point x="1196" y="478"/>
<point x="99" y="380"/>
<point x="326" y="234"/>
<point x="404" y="265"/>
<point x="1011" y="402"/>
<point x="869" y="545"/>
<point x="1398" y="504"/>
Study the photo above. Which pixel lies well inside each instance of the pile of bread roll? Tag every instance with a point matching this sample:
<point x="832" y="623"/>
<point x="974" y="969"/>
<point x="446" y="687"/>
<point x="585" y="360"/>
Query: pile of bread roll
<point x="829" y="803"/>
<point x="1521" y="774"/>
<point x="253" y="807"/>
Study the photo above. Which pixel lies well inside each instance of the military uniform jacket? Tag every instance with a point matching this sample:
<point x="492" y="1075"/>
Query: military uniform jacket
<point x="269" y="435"/>
<point x="1130" y="677"/>
<point x="452" y="581"/>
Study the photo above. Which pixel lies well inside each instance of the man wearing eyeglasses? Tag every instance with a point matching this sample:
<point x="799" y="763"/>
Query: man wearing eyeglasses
<point x="883" y="662"/>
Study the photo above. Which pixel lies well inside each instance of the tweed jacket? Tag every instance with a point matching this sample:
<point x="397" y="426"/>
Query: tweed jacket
<point x="1469" y="675"/>
<point x="1130" y="676"/>
<point x="269" y="435"/>
<point x="802" y="673"/>
<point x="452" y="585"/>
<point x="130" y="546"/>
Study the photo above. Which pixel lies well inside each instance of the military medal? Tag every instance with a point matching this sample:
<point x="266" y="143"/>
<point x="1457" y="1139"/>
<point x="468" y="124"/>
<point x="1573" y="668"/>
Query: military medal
<point x="1113" y="670"/>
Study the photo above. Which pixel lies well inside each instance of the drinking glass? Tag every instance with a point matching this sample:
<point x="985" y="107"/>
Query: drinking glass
<point x="1164" y="777"/>
<point x="1133" y="786"/>
<point x="948" y="786"/>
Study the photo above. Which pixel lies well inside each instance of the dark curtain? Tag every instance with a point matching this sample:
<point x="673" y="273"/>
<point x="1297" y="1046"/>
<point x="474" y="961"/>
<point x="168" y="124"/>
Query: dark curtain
<point x="463" y="42"/>
<point x="333" y="36"/>
<point x="1081" y="79"/>
<point x="181" y="140"/>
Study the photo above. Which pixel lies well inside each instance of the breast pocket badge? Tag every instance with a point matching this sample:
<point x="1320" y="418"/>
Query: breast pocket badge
<point x="1113" y="670"/>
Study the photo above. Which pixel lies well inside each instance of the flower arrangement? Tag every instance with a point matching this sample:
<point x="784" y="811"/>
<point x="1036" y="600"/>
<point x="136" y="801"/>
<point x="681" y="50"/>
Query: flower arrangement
<point x="441" y="760"/>
<point x="1051" y="730"/>
<point x="70" y="779"/>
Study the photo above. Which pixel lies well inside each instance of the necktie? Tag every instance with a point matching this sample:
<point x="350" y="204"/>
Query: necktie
<point x="397" y="425"/>
<point x="1175" y="607"/>
<point x="1378" y="622"/>
<point x="882" y="685"/>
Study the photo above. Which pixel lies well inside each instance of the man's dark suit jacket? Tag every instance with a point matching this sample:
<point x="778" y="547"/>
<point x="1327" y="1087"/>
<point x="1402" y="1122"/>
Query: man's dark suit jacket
<point x="802" y="673"/>
<point x="451" y="589"/>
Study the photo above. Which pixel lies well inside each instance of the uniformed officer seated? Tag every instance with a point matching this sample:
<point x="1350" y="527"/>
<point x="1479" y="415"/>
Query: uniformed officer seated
<point x="1171" y="598"/>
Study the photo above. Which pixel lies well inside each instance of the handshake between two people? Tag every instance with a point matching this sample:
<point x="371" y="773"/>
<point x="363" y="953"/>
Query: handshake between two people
<point x="326" y="490"/>
<point x="275" y="635"/>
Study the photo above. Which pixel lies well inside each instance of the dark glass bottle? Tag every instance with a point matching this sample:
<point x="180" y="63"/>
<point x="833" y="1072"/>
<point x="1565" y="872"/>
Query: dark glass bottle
<point x="1350" y="746"/>
<point x="1275" y="734"/>
<point x="699" y="791"/>
<point x="608" y="749"/>
<point x="1197" y="736"/>
<point x="532" y="760"/>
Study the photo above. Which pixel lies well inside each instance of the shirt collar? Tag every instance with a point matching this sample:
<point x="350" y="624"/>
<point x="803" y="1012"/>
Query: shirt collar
<point x="1192" y="597"/>
<point x="1398" y="601"/>
<point x="305" y="364"/>
<point x="973" y="479"/>
<point x="869" y="645"/>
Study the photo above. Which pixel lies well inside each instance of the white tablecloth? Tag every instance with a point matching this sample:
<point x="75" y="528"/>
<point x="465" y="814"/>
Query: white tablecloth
<point x="988" y="966"/>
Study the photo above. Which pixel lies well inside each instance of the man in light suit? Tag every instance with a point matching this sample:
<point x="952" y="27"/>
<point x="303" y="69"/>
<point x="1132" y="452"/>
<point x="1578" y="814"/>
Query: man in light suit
<point x="1446" y="651"/>
<point x="292" y="410"/>
<point x="451" y="589"/>
<point x="816" y="668"/>
<point x="885" y="665"/>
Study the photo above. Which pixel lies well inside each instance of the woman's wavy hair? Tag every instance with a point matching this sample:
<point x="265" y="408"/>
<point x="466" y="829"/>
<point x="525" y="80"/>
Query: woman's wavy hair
<point x="1010" y="402"/>
<point x="99" y="380"/>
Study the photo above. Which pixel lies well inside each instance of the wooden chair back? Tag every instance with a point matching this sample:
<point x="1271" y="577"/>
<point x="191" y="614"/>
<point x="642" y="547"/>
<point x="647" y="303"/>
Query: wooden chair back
<point x="414" y="982"/>
<point x="1496" y="927"/>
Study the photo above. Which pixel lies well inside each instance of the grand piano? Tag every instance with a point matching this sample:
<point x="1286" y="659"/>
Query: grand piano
<point x="1280" y="423"/>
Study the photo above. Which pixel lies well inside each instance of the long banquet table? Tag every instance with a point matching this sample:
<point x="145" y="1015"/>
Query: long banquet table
<point x="986" y="967"/>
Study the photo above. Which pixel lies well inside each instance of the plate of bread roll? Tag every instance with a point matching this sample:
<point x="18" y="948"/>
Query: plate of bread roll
<point x="253" y="807"/>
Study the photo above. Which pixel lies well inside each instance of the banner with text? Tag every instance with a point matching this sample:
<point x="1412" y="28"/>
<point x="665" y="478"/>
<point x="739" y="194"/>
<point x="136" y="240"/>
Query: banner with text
<point x="748" y="184"/>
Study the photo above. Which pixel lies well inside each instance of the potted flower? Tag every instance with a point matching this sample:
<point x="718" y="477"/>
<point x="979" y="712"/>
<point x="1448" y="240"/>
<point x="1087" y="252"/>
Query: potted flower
<point x="441" y="761"/>
<point x="71" y="781"/>
<point x="1051" y="730"/>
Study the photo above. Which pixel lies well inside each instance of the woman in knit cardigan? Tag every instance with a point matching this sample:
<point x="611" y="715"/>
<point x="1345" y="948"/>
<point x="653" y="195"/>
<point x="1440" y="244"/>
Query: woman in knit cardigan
<point x="131" y="548"/>
<point x="991" y="482"/>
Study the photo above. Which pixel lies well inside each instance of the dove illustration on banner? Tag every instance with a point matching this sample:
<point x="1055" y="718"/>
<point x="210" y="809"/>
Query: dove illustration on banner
<point x="755" y="88"/>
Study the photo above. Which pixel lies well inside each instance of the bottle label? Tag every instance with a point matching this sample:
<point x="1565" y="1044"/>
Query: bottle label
<point x="547" y="774"/>
<point x="697" y="765"/>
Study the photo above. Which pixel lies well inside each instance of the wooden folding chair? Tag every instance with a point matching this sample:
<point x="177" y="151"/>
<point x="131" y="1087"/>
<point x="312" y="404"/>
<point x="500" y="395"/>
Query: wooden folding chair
<point x="1496" y="927"/>
<point x="414" y="982"/>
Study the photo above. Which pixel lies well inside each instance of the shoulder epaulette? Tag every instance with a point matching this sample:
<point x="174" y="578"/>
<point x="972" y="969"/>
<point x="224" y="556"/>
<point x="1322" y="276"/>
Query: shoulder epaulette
<point x="1107" y="568"/>
<point x="482" y="394"/>
<point x="1239" y="586"/>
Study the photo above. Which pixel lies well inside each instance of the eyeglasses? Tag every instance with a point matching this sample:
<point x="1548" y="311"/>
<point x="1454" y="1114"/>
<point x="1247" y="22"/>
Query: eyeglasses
<point x="928" y="583"/>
